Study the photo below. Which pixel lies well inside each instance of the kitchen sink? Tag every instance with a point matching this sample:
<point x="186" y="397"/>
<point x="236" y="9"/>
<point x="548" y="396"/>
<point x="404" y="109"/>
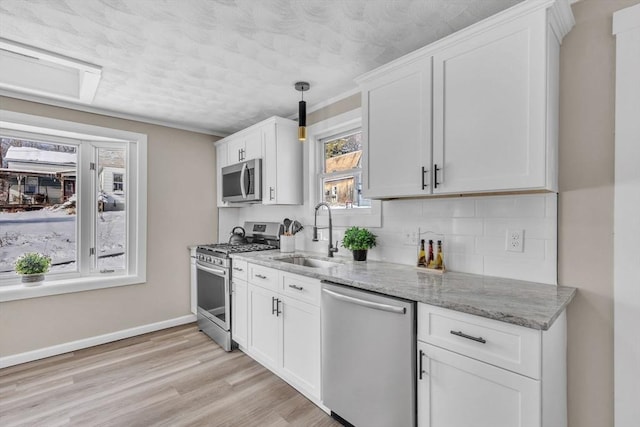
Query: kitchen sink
<point x="306" y="261"/>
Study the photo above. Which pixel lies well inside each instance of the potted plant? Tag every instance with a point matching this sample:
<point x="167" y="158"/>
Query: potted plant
<point x="359" y="240"/>
<point x="32" y="266"/>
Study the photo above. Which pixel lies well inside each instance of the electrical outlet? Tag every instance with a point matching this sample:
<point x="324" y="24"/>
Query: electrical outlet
<point x="410" y="236"/>
<point x="515" y="240"/>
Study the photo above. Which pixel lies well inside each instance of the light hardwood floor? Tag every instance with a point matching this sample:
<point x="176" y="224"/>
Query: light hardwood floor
<point x="173" y="377"/>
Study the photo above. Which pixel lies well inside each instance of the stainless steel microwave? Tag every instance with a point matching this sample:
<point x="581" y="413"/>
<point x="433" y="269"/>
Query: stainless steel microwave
<point x="242" y="182"/>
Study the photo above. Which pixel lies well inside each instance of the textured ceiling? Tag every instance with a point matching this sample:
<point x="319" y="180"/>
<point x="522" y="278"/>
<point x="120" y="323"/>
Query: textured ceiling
<point x="222" y="65"/>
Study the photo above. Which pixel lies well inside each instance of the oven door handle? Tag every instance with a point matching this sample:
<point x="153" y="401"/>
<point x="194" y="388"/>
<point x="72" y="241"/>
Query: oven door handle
<point x="242" y="174"/>
<point x="211" y="270"/>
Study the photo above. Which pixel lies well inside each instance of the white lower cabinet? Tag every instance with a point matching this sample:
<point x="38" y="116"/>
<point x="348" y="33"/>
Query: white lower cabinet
<point x="284" y="331"/>
<point x="457" y="391"/>
<point x="477" y="372"/>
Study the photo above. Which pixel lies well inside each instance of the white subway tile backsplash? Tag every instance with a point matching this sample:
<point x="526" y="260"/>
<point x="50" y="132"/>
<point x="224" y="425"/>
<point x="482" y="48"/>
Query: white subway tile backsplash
<point x="467" y="263"/>
<point x="551" y="205"/>
<point x="466" y="226"/>
<point x="449" y="208"/>
<point x="534" y="228"/>
<point x="473" y="229"/>
<point x="511" y="206"/>
<point x="401" y="208"/>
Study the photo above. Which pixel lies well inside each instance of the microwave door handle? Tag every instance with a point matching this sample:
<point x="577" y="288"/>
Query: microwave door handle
<point x="242" y="174"/>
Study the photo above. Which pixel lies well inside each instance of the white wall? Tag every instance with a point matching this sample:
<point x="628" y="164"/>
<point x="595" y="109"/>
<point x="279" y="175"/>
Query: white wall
<point x="626" y="263"/>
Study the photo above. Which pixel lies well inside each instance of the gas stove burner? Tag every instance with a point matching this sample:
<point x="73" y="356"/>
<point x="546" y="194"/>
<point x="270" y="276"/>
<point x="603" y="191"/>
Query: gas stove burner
<point x="225" y="248"/>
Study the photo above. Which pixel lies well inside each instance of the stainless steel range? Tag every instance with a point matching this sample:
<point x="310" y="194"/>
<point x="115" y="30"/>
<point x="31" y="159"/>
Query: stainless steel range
<point x="213" y="265"/>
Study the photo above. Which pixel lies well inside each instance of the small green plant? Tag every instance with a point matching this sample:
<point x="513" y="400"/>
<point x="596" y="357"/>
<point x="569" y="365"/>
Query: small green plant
<point x="32" y="263"/>
<point x="357" y="239"/>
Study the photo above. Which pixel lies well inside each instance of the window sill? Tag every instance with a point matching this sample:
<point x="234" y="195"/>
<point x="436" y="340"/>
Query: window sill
<point x="65" y="286"/>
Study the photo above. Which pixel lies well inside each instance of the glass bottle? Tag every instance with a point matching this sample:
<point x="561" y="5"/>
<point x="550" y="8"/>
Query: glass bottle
<point x="440" y="257"/>
<point x="430" y="259"/>
<point x="422" y="259"/>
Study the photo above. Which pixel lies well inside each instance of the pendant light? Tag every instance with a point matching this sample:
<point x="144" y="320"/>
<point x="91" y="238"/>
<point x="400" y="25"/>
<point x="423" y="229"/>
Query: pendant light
<point x="302" y="111"/>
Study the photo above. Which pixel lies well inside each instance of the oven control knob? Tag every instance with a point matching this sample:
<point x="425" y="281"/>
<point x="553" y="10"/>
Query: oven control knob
<point x="209" y="259"/>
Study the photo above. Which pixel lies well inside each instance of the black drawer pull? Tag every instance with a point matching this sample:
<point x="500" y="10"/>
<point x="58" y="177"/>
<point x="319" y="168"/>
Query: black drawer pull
<point x="260" y="276"/>
<point x="297" y="288"/>
<point x="273" y="303"/>
<point x="469" y="337"/>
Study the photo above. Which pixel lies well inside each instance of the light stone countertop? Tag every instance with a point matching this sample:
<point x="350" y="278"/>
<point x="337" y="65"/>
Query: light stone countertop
<point x="529" y="304"/>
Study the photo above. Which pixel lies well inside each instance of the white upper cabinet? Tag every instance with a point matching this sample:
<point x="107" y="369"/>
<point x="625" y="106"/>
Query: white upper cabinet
<point x="397" y="133"/>
<point x="474" y="112"/>
<point x="274" y="141"/>
<point x="282" y="163"/>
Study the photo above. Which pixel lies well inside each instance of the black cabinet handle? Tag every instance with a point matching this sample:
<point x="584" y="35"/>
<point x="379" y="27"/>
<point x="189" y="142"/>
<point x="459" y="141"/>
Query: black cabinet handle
<point x="435" y="175"/>
<point x="424" y="171"/>
<point x="273" y="309"/>
<point x="278" y="312"/>
<point x="420" y="370"/>
<point x="297" y="288"/>
<point x="469" y="337"/>
<point x="270" y="193"/>
<point x="260" y="276"/>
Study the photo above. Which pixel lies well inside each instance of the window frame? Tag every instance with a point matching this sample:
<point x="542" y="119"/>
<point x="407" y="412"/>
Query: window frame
<point x="337" y="125"/>
<point x="88" y="138"/>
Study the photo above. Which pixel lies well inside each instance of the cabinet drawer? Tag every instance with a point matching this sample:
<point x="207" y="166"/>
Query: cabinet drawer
<point x="508" y="346"/>
<point x="263" y="276"/>
<point x="301" y="288"/>
<point x="239" y="269"/>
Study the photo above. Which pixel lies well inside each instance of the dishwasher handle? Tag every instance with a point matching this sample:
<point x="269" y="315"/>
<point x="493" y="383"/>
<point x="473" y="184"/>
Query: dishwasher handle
<point x="365" y="303"/>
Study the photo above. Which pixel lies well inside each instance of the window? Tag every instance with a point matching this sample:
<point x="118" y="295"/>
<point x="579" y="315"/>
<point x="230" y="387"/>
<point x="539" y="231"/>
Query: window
<point x="336" y="170"/>
<point x="341" y="174"/>
<point x="67" y="195"/>
<point x="118" y="183"/>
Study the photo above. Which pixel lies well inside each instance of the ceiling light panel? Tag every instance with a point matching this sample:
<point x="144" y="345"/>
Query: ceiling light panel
<point x="26" y="69"/>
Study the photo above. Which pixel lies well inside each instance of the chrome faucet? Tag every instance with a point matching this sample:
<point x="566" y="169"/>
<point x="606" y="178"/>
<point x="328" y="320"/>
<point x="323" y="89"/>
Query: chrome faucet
<point x="331" y="249"/>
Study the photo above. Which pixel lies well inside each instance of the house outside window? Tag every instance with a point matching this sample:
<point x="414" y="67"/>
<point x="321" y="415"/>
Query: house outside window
<point x="63" y="196"/>
<point x="341" y="172"/>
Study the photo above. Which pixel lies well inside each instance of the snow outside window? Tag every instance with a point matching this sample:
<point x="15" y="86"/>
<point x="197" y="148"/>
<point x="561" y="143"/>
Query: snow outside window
<point x="70" y="198"/>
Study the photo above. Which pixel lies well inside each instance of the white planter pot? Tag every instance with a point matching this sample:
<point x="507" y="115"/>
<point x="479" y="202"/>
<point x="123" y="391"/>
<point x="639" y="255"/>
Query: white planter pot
<point x="32" y="279"/>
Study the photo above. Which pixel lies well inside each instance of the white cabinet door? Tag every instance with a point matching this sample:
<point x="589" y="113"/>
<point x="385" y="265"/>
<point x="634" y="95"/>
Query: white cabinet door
<point x="396" y="113"/>
<point x="457" y="391"/>
<point x="489" y="106"/>
<point x="300" y="344"/>
<point x="245" y="146"/>
<point x="239" y="315"/>
<point x="253" y="144"/>
<point x="235" y="149"/>
<point x="281" y="164"/>
<point x="221" y="161"/>
<point x="263" y="326"/>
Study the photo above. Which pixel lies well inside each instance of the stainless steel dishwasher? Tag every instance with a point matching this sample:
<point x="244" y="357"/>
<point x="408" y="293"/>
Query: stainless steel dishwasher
<point x="368" y="357"/>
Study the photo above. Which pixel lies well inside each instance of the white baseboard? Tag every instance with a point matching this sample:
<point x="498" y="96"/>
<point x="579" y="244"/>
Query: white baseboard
<point x="29" y="356"/>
